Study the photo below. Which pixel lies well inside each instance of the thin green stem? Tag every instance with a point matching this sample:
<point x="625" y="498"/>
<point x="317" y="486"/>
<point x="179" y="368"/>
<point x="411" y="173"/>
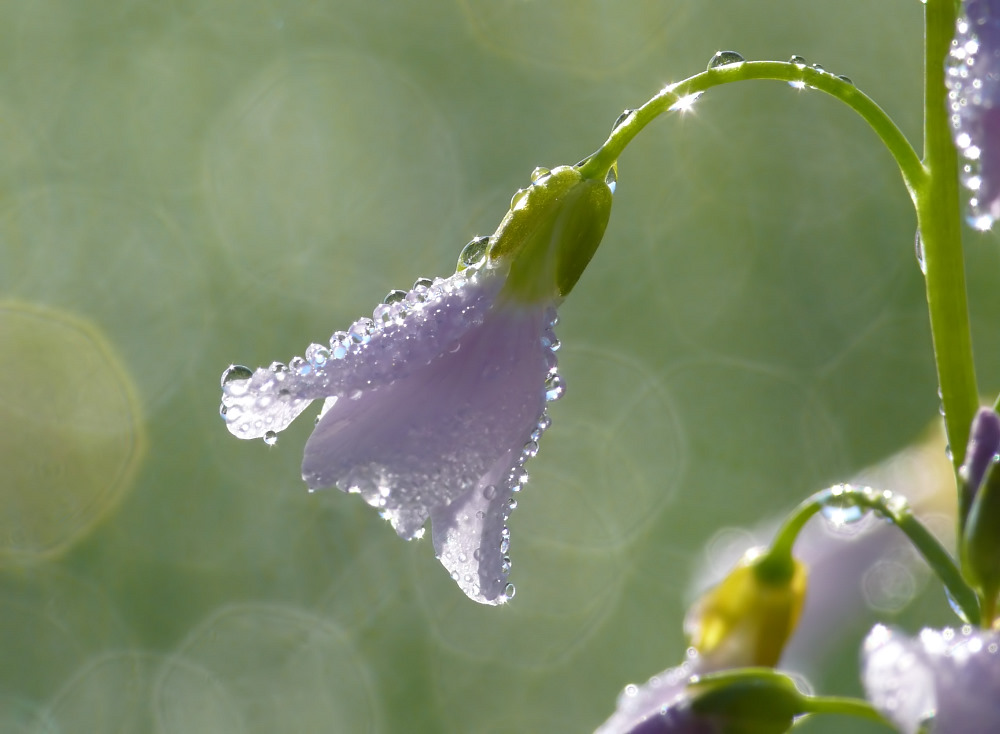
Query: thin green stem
<point x="937" y="203"/>
<point x="914" y="175"/>
<point x="843" y="706"/>
<point x="894" y="509"/>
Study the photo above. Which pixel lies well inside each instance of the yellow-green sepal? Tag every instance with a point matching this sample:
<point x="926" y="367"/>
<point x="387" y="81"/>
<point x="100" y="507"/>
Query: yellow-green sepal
<point x="550" y="234"/>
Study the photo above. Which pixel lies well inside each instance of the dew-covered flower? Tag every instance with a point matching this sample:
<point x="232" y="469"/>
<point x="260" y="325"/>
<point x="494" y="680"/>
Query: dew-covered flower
<point x="947" y="678"/>
<point x="433" y="405"/>
<point x="974" y="96"/>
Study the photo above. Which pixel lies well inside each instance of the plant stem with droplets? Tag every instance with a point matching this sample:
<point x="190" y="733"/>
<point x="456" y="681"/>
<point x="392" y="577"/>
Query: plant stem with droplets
<point x="938" y="218"/>
<point x="913" y="172"/>
<point x="894" y="509"/>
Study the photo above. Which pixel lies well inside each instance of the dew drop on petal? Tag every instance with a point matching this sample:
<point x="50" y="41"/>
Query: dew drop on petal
<point x="509" y="591"/>
<point x="270" y="438"/>
<point x="317" y="354"/>
<point x="725" y="58"/>
<point x="394" y="297"/>
<point x="490" y="491"/>
<point x="236" y="372"/>
<point x="473" y="255"/>
<point x="554" y="387"/>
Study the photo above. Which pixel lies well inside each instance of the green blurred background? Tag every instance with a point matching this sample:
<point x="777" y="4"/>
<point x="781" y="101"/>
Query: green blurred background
<point x="185" y="184"/>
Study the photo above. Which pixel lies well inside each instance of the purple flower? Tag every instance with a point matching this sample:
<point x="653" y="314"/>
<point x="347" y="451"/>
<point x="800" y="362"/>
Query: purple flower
<point x="661" y="706"/>
<point x="974" y="93"/>
<point x="984" y="444"/>
<point x="950" y="677"/>
<point x="432" y="407"/>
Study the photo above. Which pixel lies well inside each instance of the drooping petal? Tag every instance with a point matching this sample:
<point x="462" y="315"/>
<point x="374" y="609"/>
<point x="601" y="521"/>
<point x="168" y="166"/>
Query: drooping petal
<point x="950" y="677"/>
<point x="660" y="706"/>
<point x="404" y="336"/>
<point x="445" y="440"/>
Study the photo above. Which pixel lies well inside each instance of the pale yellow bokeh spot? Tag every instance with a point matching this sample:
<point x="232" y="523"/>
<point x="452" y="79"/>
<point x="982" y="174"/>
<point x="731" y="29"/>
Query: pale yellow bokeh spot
<point x="72" y="436"/>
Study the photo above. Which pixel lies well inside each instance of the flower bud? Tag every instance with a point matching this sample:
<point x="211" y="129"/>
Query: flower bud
<point x="550" y="233"/>
<point x="746" y="620"/>
<point x="980" y="501"/>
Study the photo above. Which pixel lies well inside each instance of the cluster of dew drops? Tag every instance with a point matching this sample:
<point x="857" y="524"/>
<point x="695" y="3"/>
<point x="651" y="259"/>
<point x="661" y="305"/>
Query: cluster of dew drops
<point x="972" y="79"/>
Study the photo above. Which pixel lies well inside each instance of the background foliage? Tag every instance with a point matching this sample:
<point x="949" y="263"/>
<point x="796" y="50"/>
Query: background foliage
<point x="186" y="184"/>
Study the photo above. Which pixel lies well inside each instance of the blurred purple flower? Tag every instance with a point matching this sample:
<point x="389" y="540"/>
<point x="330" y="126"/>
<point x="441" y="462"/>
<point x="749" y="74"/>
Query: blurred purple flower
<point x="984" y="444"/>
<point x="950" y="677"/>
<point x="432" y="406"/>
<point x="661" y="706"/>
<point x="974" y="85"/>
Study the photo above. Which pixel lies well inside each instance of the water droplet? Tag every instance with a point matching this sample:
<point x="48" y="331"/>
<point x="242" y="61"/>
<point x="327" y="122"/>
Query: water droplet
<point x="505" y="565"/>
<point x="270" y="438"/>
<point x="539" y="173"/>
<point x="612" y="178"/>
<point x="422" y="283"/>
<point x="474" y="254"/>
<point x="842" y="511"/>
<point x="519" y="198"/>
<point x="236" y="372"/>
<point x="299" y="366"/>
<point x="489" y="491"/>
<point x="394" y="297"/>
<point x="477" y="553"/>
<point x="545" y="422"/>
<point x="382" y="315"/>
<point x="818" y="67"/>
<point x="555" y="387"/>
<point x="317" y="354"/>
<point x="621" y="119"/>
<point x="361" y="331"/>
<point x="480" y="515"/>
<point x="725" y="58"/>
<point x="509" y="591"/>
<point x="845" y="79"/>
<point x="512" y="504"/>
<point x="505" y="545"/>
<point x="799" y="61"/>
<point x="339" y="343"/>
<point x="530" y="449"/>
<point x="918" y="247"/>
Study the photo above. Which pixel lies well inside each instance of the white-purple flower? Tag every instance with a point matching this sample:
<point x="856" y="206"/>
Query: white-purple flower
<point x="947" y="680"/>
<point x="432" y="406"/>
<point x="974" y="96"/>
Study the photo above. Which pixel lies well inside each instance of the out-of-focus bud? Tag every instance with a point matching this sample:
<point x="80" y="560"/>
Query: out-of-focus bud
<point x="746" y="620"/>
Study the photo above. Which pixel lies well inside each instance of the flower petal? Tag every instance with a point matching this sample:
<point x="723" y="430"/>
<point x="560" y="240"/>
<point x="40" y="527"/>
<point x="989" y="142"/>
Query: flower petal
<point x="404" y="336"/>
<point x="446" y="440"/>
<point x="950" y="676"/>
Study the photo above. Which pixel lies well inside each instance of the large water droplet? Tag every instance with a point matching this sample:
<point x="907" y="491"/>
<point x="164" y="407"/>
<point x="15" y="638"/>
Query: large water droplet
<point x="299" y="366"/>
<point x="474" y="254"/>
<point x="621" y="119"/>
<point x="725" y="58"/>
<point x="236" y="372"/>
<point x="270" y="438"/>
<point x="799" y="61"/>
<point x="490" y="491"/>
<point x="394" y="297"/>
<point x="519" y="198"/>
<point x="361" y="331"/>
<point x="612" y="178"/>
<point x="842" y="512"/>
<point x="818" y="67"/>
<point x="554" y="387"/>
<point x="317" y="354"/>
<point x="845" y="79"/>
<point x="505" y="565"/>
<point x="509" y="591"/>
<point x="539" y="173"/>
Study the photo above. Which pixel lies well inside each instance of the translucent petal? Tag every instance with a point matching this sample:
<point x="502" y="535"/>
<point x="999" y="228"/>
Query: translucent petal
<point x="445" y="440"/>
<point x="952" y="676"/>
<point x="427" y="322"/>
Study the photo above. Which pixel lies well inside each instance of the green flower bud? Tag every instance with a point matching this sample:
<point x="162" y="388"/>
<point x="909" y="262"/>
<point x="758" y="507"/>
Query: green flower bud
<point x="750" y="702"/>
<point x="550" y="233"/>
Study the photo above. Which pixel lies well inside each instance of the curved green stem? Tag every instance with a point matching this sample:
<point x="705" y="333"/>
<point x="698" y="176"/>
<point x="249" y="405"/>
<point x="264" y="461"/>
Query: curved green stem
<point x="896" y="510"/>
<point x="937" y="203"/>
<point x="913" y="172"/>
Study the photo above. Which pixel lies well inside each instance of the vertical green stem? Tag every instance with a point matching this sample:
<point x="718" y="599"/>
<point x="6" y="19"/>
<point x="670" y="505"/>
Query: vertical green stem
<point x="938" y="216"/>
